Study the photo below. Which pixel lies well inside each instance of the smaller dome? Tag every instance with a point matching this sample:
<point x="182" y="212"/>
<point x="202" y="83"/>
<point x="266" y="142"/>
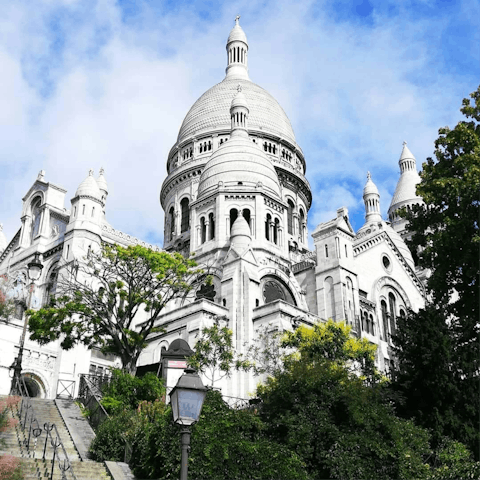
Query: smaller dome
<point x="101" y="182"/>
<point x="237" y="33"/>
<point x="240" y="228"/>
<point x="89" y="187"/>
<point x="370" y="187"/>
<point x="239" y="100"/>
<point x="3" y="239"/>
<point x="239" y="164"/>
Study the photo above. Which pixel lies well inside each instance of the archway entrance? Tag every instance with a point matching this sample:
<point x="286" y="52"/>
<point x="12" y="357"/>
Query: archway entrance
<point x="35" y="386"/>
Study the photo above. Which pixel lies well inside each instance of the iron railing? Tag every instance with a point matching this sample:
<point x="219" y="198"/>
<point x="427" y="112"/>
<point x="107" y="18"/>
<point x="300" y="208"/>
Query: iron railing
<point x="29" y="422"/>
<point x="90" y="394"/>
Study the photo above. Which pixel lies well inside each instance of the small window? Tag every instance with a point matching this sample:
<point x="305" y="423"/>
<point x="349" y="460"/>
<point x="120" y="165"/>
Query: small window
<point x="93" y="211"/>
<point x="326" y="251"/>
<point x="346" y="251"/>
<point x="83" y="209"/>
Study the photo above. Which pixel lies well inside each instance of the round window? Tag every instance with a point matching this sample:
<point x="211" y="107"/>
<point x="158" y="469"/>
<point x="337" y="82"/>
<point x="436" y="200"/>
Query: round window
<point x="387" y="264"/>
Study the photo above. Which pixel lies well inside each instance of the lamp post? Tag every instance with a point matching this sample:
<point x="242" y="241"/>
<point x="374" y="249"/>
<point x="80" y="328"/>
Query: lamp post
<point x="187" y="400"/>
<point x="34" y="271"/>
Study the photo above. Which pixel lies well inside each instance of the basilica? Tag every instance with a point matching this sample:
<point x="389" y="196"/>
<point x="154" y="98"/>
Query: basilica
<point x="236" y="196"/>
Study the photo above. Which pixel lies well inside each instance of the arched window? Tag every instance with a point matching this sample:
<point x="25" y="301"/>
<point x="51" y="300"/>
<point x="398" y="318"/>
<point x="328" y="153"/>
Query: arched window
<point x="291" y="206"/>
<point x="211" y="226"/>
<point x="268" y="221"/>
<point x="171" y="223"/>
<point x="203" y="231"/>
<point x="393" y="312"/>
<point x="302" y="226"/>
<point x="246" y="216"/>
<point x="185" y="225"/>
<point x="36" y="214"/>
<point x="383" y="305"/>
<point x="233" y="217"/>
<point x="276" y="231"/>
<point x="329" y="298"/>
<point x="371" y="324"/>
<point x="51" y="285"/>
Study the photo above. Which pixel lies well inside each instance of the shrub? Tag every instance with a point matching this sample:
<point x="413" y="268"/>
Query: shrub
<point x="10" y="466"/>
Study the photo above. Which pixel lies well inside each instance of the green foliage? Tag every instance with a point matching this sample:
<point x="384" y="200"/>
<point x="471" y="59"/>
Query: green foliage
<point x="265" y="354"/>
<point x="438" y="347"/>
<point x="214" y="352"/>
<point x="446" y="230"/>
<point x="97" y="305"/>
<point x="126" y="392"/>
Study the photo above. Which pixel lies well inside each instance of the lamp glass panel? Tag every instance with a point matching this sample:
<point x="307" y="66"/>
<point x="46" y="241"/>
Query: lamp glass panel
<point x="190" y="404"/>
<point x="34" y="272"/>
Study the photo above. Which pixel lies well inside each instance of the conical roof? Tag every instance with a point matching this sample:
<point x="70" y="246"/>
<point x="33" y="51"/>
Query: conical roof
<point x="405" y="192"/>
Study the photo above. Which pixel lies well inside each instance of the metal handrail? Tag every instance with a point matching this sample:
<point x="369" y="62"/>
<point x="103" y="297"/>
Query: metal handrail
<point x="30" y="417"/>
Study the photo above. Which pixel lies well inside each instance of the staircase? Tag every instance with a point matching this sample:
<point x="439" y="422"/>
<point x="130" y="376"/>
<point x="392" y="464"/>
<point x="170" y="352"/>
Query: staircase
<point x="28" y="445"/>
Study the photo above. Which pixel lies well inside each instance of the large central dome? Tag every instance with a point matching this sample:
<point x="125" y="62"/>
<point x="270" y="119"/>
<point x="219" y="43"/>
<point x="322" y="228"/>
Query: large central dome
<point x="211" y="111"/>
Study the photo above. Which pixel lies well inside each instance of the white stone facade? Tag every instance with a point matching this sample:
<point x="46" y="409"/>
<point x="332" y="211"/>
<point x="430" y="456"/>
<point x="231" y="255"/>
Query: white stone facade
<point x="237" y="197"/>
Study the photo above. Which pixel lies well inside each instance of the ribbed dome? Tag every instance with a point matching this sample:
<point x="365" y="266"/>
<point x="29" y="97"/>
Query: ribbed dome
<point x="211" y="111"/>
<point x="239" y="163"/>
<point x="89" y="187"/>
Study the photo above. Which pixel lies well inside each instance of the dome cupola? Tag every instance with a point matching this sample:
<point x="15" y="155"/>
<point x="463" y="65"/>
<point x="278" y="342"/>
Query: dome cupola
<point x="239" y="163"/>
<point x="237" y="49"/>
<point x="89" y="188"/>
<point x="371" y="198"/>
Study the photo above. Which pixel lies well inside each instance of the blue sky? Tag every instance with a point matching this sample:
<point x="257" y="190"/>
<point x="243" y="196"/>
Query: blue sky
<point x="87" y="84"/>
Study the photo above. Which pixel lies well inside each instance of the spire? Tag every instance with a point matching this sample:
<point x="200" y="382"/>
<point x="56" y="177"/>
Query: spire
<point x="371" y="198"/>
<point x="237" y="52"/>
<point x="407" y="160"/>
<point x="239" y="113"/>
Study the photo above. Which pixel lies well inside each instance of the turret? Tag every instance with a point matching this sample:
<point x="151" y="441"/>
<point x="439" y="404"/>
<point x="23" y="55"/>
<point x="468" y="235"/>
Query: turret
<point x="405" y="195"/>
<point x="371" y="198"/>
<point x="239" y="114"/>
<point x="237" y="52"/>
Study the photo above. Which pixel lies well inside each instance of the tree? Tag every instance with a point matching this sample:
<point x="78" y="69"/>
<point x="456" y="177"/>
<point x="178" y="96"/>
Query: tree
<point x="437" y="373"/>
<point x="214" y="352"/>
<point x="330" y="406"/>
<point x="226" y="444"/>
<point x="99" y="303"/>
<point x="445" y="231"/>
<point x="7" y="303"/>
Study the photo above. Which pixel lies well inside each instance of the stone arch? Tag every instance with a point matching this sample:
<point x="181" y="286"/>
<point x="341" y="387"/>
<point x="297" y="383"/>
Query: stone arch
<point x="275" y="288"/>
<point x="36" y="386"/>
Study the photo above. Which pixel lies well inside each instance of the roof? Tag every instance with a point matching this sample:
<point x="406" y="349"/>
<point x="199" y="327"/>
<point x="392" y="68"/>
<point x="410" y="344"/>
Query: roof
<point x="211" y="112"/>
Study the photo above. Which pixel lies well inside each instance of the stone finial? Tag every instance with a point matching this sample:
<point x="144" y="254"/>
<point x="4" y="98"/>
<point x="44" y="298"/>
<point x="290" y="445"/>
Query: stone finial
<point x="404" y="143"/>
<point x="237" y="18"/>
<point x="102" y="171"/>
<point x="369" y="177"/>
<point x="90" y="172"/>
<point x="1" y="227"/>
<point x="41" y="174"/>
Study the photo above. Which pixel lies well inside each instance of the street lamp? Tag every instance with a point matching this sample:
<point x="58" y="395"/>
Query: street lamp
<point x="187" y="399"/>
<point x="34" y="271"/>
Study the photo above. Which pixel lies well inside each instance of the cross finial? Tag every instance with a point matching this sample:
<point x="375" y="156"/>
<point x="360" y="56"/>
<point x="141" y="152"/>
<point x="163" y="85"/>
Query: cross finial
<point x="102" y="171"/>
<point x="368" y="176"/>
<point x="90" y="172"/>
<point x="237" y="18"/>
<point x="404" y="143"/>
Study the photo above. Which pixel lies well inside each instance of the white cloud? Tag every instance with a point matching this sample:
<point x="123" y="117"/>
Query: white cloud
<point x="84" y="87"/>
